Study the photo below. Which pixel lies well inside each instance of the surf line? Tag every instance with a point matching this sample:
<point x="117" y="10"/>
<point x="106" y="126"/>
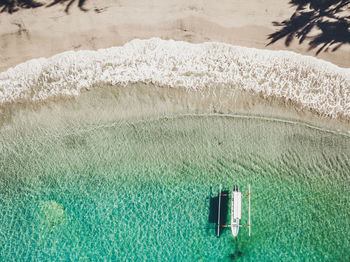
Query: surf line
<point x="175" y="116"/>
<point x="271" y="119"/>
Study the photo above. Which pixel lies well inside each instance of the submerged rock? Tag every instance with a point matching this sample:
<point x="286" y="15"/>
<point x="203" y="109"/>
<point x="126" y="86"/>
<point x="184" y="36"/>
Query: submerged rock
<point x="52" y="214"/>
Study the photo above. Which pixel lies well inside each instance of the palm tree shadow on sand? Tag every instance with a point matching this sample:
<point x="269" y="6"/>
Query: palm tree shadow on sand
<point x="324" y="23"/>
<point x="11" y="6"/>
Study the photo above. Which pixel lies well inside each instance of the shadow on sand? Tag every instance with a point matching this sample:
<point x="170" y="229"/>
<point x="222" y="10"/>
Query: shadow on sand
<point x="325" y="24"/>
<point x="11" y="6"/>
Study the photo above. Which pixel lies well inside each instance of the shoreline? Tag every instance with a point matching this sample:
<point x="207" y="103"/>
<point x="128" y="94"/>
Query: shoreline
<point x="307" y="83"/>
<point x="44" y="32"/>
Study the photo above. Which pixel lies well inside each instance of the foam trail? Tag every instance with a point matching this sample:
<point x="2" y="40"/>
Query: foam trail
<point x="315" y="84"/>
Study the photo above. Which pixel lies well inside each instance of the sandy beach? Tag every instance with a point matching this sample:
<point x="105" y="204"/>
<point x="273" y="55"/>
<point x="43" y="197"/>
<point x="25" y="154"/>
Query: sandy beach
<point x="43" y="32"/>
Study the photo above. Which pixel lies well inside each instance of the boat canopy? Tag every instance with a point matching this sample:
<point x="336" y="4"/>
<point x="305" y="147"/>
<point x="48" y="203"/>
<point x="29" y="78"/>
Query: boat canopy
<point x="237" y="203"/>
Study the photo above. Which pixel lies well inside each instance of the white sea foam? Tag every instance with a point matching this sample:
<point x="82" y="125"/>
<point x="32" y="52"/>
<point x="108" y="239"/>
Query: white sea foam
<point x="313" y="83"/>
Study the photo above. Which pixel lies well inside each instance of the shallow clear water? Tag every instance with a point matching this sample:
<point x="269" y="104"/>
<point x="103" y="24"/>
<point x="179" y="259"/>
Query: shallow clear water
<point x="141" y="190"/>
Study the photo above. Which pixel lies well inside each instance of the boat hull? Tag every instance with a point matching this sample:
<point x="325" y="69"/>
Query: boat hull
<point x="235" y="211"/>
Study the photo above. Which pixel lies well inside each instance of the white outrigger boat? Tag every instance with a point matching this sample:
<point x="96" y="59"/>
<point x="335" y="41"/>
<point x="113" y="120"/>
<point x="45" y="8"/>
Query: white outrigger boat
<point x="236" y="210"/>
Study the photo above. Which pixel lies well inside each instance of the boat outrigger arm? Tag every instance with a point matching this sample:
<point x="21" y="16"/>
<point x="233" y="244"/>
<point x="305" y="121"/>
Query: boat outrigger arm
<point x="236" y="208"/>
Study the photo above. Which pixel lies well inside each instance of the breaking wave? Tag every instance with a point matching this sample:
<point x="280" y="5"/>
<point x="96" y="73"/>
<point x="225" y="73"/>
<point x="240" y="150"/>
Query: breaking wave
<point x="314" y="84"/>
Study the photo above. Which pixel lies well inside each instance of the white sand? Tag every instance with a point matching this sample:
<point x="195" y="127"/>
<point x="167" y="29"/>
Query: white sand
<point x="43" y="32"/>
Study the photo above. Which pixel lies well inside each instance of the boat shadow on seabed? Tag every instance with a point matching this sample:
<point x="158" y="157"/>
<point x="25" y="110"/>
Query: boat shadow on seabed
<point x="213" y="210"/>
<point x="213" y="219"/>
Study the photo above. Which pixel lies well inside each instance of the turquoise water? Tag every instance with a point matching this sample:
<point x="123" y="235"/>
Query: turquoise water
<point x="140" y="191"/>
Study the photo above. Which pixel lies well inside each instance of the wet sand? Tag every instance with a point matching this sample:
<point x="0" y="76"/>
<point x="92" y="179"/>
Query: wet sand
<point x="112" y="104"/>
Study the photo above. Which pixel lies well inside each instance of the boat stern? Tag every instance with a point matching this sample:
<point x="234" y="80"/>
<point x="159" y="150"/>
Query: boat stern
<point x="235" y="229"/>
